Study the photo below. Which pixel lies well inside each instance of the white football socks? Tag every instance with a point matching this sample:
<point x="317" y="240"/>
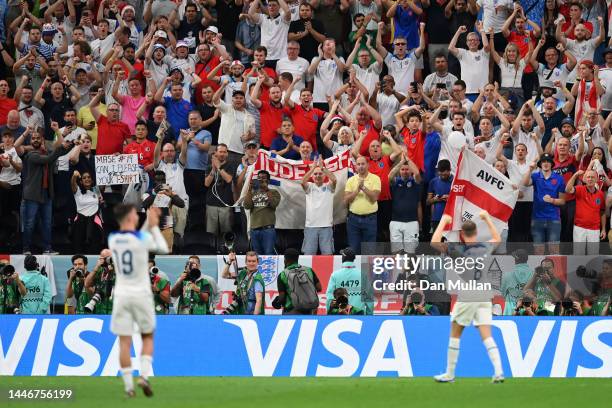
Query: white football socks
<point x="452" y="356"/>
<point x="128" y="379"/>
<point x="494" y="356"/>
<point x="146" y="366"/>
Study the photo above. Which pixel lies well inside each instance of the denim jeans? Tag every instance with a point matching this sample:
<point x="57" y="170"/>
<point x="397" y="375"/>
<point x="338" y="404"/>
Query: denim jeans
<point x="546" y="231"/>
<point x="263" y="240"/>
<point x="32" y="210"/>
<point x="360" y="229"/>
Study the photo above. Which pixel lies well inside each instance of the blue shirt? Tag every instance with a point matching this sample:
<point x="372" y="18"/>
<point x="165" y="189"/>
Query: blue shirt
<point x="406" y="24"/>
<point x="440" y="187"/>
<point x="431" y="152"/>
<point x="405" y="196"/>
<point x="178" y="112"/>
<point x="198" y="159"/>
<point x="279" y="144"/>
<point x="349" y="277"/>
<point x="552" y="186"/>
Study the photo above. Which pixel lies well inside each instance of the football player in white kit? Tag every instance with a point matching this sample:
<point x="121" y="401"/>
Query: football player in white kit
<point x="133" y="306"/>
<point x="476" y="312"/>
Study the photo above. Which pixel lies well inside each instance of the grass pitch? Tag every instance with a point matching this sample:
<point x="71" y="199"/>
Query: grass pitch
<point x="183" y="392"/>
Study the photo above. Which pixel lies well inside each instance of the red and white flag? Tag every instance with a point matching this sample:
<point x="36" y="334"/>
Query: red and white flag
<point x="478" y="186"/>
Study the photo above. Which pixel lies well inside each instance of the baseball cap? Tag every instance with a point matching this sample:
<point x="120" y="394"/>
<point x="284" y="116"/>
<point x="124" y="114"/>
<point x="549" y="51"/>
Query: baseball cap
<point x="236" y="62"/>
<point x="547" y="84"/>
<point x="546" y="157"/>
<point x="161" y="34"/>
<point x="48" y="29"/>
<point x="251" y="143"/>
<point x="159" y="47"/>
<point x="181" y="44"/>
<point x="567" y="121"/>
<point x="213" y="29"/>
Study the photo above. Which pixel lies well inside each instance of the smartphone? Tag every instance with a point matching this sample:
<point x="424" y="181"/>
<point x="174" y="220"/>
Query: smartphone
<point x="441" y="86"/>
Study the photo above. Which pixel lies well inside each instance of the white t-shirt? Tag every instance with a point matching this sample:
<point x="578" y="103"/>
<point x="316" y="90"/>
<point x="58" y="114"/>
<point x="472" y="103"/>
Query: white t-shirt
<point x="234" y="124"/>
<point x="402" y="70"/>
<point x="319" y="205"/>
<point x="174" y="178"/>
<point x="8" y="174"/>
<point x="581" y="50"/>
<point x="510" y="76"/>
<point x="605" y="78"/>
<point x="490" y="147"/>
<point x="429" y="85"/>
<point x="474" y="69"/>
<point x="368" y="76"/>
<point x="495" y="18"/>
<point x="516" y="172"/>
<point x="62" y="161"/>
<point x="388" y="105"/>
<point x="327" y="79"/>
<point x="86" y="204"/>
<point x="101" y="47"/>
<point x="299" y="66"/>
<point x="274" y="35"/>
<point x="468" y="129"/>
<point x="450" y="153"/>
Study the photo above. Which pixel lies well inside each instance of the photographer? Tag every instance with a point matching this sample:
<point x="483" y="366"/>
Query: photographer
<point x="164" y="198"/>
<point x="37" y="298"/>
<point x="76" y="296"/>
<point x="526" y="305"/>
<point x="547" y="287"/>
<point x="514" y="282"/>
<point x="340" y="304"/>
<point x="194" y="262"/>
<point x="349" y="276"/>
<point x="99" y="285"/>
<point x="11" y="289"/>
<point x="250" y="285"/>
<point x="298" y="286"/>
<point x="572" y="305"/>
<point x="193" y="291"/>
<point x="161" y="290"/>
<point x="416" y="305"/>
<point x="600" y="288"/>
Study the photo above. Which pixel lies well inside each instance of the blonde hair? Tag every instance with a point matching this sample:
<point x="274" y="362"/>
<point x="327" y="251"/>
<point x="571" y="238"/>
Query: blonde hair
<point x="349" y="131"/>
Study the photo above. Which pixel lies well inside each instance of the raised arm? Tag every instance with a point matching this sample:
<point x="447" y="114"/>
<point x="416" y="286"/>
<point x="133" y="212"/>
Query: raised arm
<point x="379" y="45"/>
<point x="452" y="47"/>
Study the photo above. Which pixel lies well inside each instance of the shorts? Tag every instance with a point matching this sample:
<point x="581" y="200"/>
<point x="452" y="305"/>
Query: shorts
<point x="468" y="313"/>
<point x="127" y="311"/>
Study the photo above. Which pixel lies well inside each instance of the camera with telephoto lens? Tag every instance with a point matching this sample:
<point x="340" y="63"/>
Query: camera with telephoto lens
<point x="78" y="273"/>
<point x="193" y="275"/>
<point x="583" y="272"/>
<point x="416" y="298"/>
<point x="234" y="307"/>
<point x="342" y="302"/>
<point x="153" y="273"/>
<point x="228" y="241"/>
<point x="103" y="290"/>
<point x="7" y="271"/>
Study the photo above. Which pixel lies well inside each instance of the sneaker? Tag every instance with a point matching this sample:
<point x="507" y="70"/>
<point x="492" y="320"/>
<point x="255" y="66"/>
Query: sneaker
<point x="50" y="252"/>
<point x="130" y="394"/>
<point x="146" y="387"/>
<point x="444" y="378"/>
<point x="498" y="379"/>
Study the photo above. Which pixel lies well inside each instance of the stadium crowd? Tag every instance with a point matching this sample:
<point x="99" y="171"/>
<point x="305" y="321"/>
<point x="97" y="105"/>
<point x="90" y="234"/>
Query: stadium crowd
<point x="196" y="88"/>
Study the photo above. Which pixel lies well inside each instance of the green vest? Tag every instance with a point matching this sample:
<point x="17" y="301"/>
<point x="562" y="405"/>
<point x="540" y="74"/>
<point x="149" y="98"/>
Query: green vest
<point x="413" y="312"/>
<point x="161" y="307"/>
<point x="354" y="311"/>
<point x="283" y="278"/>
<point x="80" y="295"/>
<point x="190" y="299"/>
<point x="9" y="296"/>
<point x="104" y="306"/>
<point x="244" y="284"/>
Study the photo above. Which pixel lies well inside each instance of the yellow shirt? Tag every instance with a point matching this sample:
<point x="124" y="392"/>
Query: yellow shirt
<point x="84" y="117"/>
<point x="362" y="205"/>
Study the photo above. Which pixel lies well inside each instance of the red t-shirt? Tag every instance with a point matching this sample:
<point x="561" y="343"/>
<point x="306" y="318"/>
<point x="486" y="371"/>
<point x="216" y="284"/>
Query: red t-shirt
<point x="566" y="169"/>
<point x="415" y="145"/>
<point x="270" y="118"/>
<point x="382" y="168"/>
<point x="265" y="90"/>
<point x="372" y="134"/>
<point x="144" y="151"/>
<point x="202" y="70"/>
<point x="306" y="123"/>
<point x="111" y="136"/>
<point x="572" y="36"/>
<point x="6" y="105"/>
<point x="522" y="42"/>
<point x="588" y="208"/>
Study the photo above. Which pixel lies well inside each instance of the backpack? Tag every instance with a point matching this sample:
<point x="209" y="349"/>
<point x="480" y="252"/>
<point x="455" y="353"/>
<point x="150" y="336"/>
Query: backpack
<point x="302" y="288"/>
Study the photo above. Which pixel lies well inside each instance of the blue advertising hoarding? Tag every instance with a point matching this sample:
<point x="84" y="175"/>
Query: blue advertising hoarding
<point x="307" y="346"/>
